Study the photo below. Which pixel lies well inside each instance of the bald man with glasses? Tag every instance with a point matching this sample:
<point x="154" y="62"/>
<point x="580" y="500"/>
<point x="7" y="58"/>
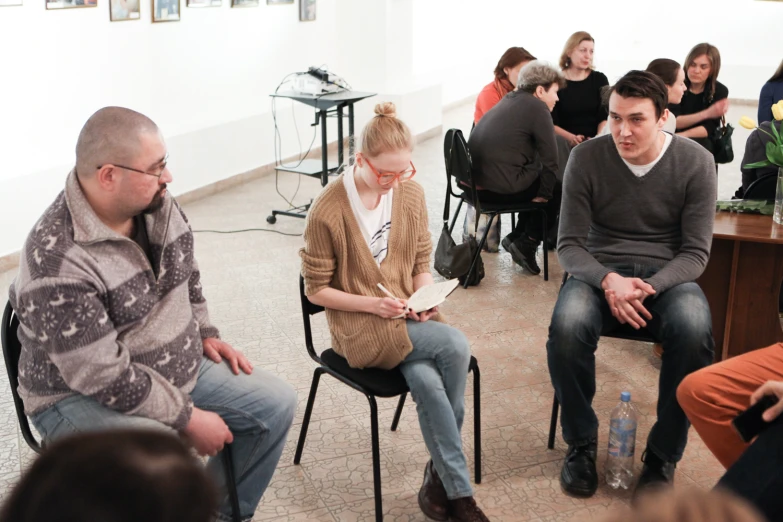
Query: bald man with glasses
<point x="115" y="330"/>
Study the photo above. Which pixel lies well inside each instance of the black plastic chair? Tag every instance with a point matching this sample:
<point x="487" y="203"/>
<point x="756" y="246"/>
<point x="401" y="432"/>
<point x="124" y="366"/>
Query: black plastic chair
<point x="763" y="188"/>
<point x="12" y="349"/>
<point x="460" y="166"/>
<point x="372" y="382"/>
<point x="624" y="331"/>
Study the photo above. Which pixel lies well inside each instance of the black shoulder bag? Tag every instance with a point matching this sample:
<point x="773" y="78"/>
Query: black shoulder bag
<point x="721" y="142"/>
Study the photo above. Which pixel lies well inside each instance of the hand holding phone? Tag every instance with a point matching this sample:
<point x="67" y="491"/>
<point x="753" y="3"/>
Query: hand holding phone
<point x="752" y="421"/>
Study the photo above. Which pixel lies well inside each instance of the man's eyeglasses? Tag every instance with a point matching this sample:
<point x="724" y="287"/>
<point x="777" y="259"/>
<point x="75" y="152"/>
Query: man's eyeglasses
<point x="387" y="178"/>
<point x="158" y="173"/>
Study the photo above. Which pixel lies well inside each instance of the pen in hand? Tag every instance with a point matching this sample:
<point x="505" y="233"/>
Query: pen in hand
<point x="389" y="294"/>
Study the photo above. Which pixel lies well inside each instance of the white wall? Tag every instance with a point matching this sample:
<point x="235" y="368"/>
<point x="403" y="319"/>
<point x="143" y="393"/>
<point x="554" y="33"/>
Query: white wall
<point x="205" y="80"/>
<point x="460" y="42"/>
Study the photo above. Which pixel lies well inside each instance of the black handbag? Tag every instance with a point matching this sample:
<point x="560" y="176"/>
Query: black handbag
<point x="721" y="143"/>
<point x="453" y="260"/>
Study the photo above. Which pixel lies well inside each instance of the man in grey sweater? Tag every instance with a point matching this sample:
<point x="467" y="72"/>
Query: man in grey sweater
<point x="635" y="233"/>
<point x="114" y="326"/>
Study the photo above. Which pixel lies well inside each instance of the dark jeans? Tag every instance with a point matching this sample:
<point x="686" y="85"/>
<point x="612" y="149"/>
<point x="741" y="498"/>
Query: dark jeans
<point x="681" y="321"/>
<point x="529" y="224"/>
<point x="757" y="476"/>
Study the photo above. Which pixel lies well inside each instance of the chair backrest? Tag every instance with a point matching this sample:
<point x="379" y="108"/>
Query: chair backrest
<point x="308" y="309"/>
<point x="459" y="165"/>
<point x="12" y="349"/>
<point x="763" y="188"/>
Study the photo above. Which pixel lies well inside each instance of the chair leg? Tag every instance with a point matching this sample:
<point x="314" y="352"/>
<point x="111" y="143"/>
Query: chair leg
<point x="308" y="411"/>
<point x="480" y="245"/>
<point x="553" y="424"/>
<point x="546" y="247"/>
<point x="397" y="413"/>
<point x="456" y="213"/>
<point x="476" y="418"/>
<point x="513" y="221"/>
<point x="231" y="483"/>
<point x="376" y="458"/>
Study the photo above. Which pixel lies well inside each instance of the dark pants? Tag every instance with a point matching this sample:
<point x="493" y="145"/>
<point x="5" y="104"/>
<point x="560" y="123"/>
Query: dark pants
<point x="681" y="321"/>
<point x="529" y="224"/>
<point x="757" y="476"/>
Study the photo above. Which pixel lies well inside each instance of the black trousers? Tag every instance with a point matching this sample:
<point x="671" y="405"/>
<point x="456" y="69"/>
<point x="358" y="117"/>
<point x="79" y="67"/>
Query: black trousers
<point x="528" y="223"/>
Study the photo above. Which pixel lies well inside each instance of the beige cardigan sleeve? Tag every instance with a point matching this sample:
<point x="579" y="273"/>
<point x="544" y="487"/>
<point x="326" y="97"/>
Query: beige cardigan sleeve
<point x="318" y="258"/>
<point x="423" y="240"/>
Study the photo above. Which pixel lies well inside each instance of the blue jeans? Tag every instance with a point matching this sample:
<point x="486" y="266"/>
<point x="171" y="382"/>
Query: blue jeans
<point x="436" y="372"/>
<point x="681" y="321"/>
<point x="257" y="408"/>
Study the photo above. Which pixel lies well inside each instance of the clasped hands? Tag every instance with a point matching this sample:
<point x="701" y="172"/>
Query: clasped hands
<point x="625" y="296"/>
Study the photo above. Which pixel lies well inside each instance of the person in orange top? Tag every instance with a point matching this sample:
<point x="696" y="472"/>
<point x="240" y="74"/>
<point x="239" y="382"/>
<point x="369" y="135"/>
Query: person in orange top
<point x="506" y="73"/>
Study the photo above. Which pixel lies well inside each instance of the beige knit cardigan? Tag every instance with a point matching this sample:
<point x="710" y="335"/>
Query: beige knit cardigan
<point x="336" y="255"/>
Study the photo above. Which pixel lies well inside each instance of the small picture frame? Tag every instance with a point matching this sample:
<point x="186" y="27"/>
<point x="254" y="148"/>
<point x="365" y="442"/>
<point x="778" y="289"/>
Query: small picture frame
<point x="165" y="11"/>
<point x="204" y="3"/>
<point x="9" y="3"/>
<point x="244" y="3"/>
<point x="70" y="4"/>
<point x="124" y="10"/>
<point x="306" y="10"/>
<point x="279" y="2"/>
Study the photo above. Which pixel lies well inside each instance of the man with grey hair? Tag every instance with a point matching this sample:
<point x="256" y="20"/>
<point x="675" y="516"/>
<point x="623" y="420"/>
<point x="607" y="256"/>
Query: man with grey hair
<point x="514" y="155"/>
<point x="114" y="329"/>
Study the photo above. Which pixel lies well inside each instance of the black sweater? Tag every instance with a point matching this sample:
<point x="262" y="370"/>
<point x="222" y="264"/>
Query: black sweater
<point x="581" y="108"/>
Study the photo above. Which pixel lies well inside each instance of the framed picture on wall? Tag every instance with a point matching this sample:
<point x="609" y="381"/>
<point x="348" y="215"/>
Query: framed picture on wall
<point x="244" y="3"/>
<point x="124" y="10"/>
<point x="306" y="10"/>
<point x="67" y="4"/>
<point x="4" y="3"/>
<point x="279" y="2"/>
<point x="204" y="3"/>
<point x="165" y="11"/>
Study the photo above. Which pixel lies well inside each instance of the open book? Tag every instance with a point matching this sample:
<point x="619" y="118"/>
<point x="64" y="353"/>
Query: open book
<point x="431" y="296"/>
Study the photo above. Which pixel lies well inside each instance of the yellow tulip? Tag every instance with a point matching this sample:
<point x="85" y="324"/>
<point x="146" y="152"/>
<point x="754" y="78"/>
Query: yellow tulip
<point x="777" y="111"/>
<point x="747" y="123"/>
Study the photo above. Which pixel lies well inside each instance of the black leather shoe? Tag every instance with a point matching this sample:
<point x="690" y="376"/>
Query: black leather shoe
<point x="656" y="474"/>
<point x="579" y="476"/>
<point x="433" y="501"/>
<point x="523" y="252"/>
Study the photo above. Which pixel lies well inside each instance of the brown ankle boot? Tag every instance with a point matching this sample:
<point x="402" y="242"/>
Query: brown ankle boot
<point x="465" y="509"/>
<point x="432" y="496"/>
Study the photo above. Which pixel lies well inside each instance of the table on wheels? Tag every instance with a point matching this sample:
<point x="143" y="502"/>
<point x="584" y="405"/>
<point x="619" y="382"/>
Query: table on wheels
<point x="742" y="282"/>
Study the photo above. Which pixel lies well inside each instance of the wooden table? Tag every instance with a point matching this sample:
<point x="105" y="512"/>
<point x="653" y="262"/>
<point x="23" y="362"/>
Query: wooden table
<point x="742" y="282"/>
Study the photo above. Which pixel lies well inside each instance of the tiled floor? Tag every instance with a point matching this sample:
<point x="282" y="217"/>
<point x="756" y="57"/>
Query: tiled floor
<point x="250" y="281"/>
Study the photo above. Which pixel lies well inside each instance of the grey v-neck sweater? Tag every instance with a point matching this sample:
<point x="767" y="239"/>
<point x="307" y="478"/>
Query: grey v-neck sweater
<point x="663" y="219"/>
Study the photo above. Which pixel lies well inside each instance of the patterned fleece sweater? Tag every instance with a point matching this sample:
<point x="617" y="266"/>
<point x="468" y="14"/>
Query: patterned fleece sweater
<point x="97" y="320"/>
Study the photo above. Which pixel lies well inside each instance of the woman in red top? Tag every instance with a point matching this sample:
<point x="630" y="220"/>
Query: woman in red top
<point x="506" y="74"/>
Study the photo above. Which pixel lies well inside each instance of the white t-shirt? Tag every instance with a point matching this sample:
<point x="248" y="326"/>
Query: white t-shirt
<point x="374" y="224"/>
<point x="670" y="126"/>
<point x="641" y="170"/>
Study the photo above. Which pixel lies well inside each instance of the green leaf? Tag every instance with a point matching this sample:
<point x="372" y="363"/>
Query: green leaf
<point x="775" y="132"/>
<point x="775" y="153"/>
<point x="758" y="164"/>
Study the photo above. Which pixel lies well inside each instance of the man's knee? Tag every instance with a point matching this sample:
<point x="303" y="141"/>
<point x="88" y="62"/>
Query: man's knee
<point x="576" y="322"/>
<point x="687" y="316"/>
<point x="286" y="398"/>
<point x="690" y="390"/>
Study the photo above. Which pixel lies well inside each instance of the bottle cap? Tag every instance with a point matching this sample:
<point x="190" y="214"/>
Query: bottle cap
<point x="625" y="396"/>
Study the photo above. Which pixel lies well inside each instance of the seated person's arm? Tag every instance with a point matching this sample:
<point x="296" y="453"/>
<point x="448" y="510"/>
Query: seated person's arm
<point x="697" y="217"/>
<point x="575" y="218"/>
<point x="318" y="266"/>
<point x="71" y="324"/>
<point x="546" y="146"/>
<point x="695" y="132"/>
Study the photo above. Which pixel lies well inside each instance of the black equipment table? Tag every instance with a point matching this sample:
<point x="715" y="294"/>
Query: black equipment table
<point x="326" y="104"/>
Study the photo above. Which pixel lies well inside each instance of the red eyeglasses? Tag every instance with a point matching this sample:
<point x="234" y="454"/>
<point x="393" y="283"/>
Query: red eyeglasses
<point x="387" y="178"/>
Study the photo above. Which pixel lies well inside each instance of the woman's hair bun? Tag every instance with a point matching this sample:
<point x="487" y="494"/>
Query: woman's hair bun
<point x="386" y="109"/>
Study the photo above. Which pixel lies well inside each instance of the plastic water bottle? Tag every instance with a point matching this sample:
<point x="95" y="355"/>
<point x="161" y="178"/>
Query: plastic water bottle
<point x="622" y="443"/>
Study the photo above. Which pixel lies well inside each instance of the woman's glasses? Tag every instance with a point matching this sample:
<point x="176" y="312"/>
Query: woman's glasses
<point x="388" y="178"/>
